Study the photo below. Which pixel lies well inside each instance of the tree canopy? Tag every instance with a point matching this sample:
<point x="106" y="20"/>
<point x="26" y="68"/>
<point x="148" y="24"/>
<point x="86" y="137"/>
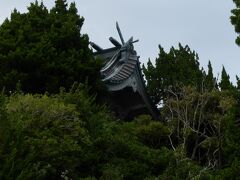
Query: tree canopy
<point x="235" y="20"/>
<point x="177" y="67"/>
<point x="44" y="49"/>
<point x="225" y="83"/>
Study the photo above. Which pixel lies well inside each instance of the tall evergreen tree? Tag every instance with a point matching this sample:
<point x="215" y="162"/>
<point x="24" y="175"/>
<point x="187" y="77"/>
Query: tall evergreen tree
<point x="178" y="67"/>
<point x="225" y="83"/>
<point x="152" y="82"/>
<point x="45" y="50"/>
<point x="238" y="83"/>
<point x="210" y="80"/>
<point x="235" y="20"/>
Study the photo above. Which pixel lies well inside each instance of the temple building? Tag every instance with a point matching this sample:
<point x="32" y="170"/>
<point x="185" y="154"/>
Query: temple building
<point x="124" y="79"/>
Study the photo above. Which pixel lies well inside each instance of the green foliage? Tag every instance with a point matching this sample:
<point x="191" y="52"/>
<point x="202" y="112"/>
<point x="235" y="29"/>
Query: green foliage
<point x="47" y="137"/>
<point x="178" y="67"/>
<point x="238" y="83"/>
<point x="235" y="20"/>
<point x="67" y="135"/>
<point x="186" y="169"/>
<point x="121" y="154"/>
<point x="44" y="50"/>
<point x="210" y="81"/>
<point x="225" y="83"/>
<point x="231" y="172"/>
<point x="197" y="122"/>
<point x="152" y="133"/>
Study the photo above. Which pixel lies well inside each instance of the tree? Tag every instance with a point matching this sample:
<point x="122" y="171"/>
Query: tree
<point x="44" y="50"/>
<point x="235" y="20"/>
<point x="50" y="137"/>
<point x="210" y="81"/>
<point x="238" y="83"/>
<point x="225" y="83"/>
<point x="197" y="124"/>
<point x="178" y="67"/>
<point x="47" y="138"/>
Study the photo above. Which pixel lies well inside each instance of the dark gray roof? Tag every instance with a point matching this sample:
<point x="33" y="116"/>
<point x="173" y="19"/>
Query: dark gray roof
<point x="122" y="70"/>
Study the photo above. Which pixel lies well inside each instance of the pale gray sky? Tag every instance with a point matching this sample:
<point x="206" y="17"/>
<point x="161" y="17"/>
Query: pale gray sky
<point x="203" y="25"/>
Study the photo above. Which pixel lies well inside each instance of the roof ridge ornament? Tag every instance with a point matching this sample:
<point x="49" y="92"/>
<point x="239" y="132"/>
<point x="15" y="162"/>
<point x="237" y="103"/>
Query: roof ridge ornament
<point x="120" y="33"/>
<point x="115" y="42"/>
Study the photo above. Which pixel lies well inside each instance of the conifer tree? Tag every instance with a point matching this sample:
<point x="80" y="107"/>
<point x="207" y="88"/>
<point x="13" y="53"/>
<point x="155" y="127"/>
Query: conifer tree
<point x="150" y="75"/>
<point x="235" y="20"/>
<point x="45" y="50"/>
<point x="225" y="83"/>
<point x="176" y="68"/>
<point x="238" y="83"/>
<point x="210" y="81"/>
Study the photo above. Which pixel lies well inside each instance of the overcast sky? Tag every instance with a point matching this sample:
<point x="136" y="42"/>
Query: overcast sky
<point x="203" y="25"/>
